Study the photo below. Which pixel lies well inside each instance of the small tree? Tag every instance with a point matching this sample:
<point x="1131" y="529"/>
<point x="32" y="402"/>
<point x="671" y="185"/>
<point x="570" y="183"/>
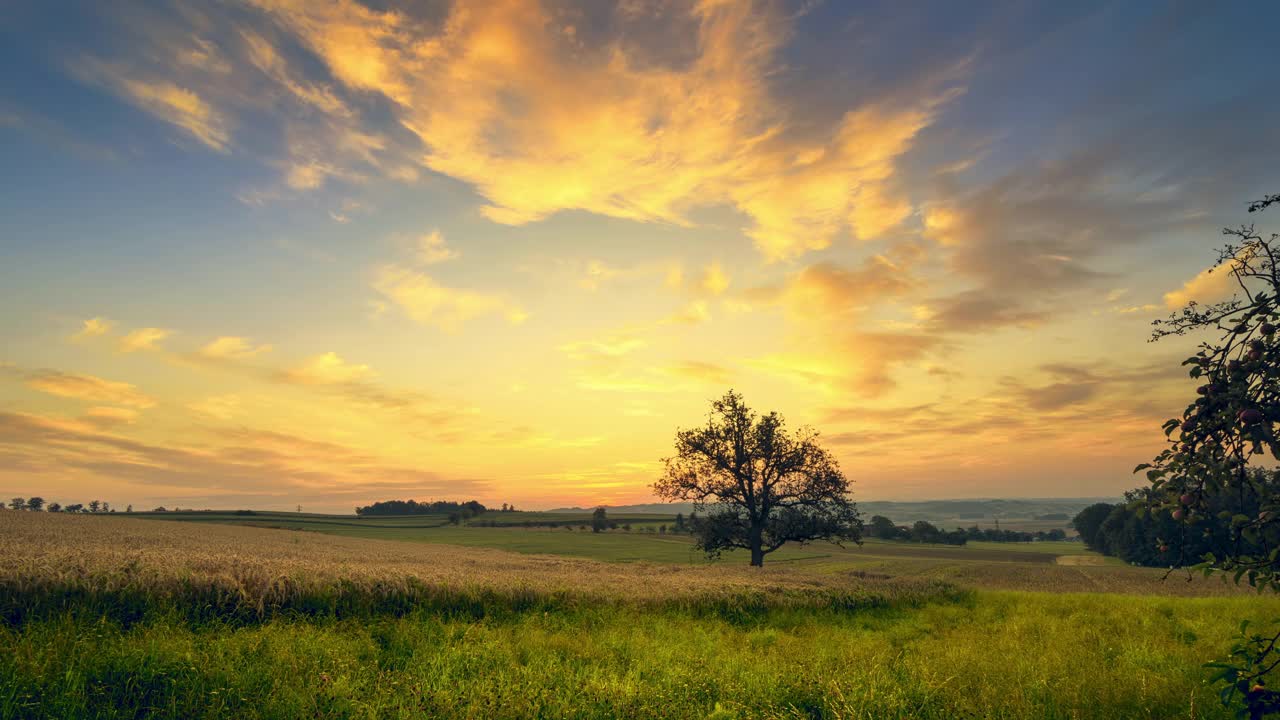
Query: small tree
<point x="882" y="527"/>
<point x="128" y="508"/>
<point x="599" y="521"/>
<point x="73" y="508"/>
<point x="679" y="522"/>
<point x="924" y="531"/>
<point x="18" y="504"/>
<point x="762" y="486"/>
<point x="95" y="506"/>
<point x="55" y="507"/>
<point x="35" y="504"/>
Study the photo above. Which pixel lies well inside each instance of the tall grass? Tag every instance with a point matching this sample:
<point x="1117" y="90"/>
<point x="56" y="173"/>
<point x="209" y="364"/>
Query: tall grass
<point x="994" y="655"/>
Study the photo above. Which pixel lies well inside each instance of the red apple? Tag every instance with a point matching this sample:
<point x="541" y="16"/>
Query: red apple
<point x="1178" y="514"/>
<point x="1250" y="416"/>
<point x="1253" y="355"/>
<point x="1267" y="329"/>
<point x="1186" y="498"/>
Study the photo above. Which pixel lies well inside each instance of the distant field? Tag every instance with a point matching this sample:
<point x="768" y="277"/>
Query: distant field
<point x="114" y="617"/>
<point x="1056" y="566"/>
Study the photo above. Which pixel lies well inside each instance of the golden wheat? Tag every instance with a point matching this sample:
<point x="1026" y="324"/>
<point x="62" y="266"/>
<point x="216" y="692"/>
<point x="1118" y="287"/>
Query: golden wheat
<point x="128" y="568"/>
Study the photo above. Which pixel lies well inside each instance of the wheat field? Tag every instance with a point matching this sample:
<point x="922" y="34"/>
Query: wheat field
<point x="116" y="617"/>
<point x="124" y="568"/>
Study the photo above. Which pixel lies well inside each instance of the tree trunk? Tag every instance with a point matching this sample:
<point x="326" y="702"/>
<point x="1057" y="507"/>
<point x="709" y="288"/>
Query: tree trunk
<point x="755" y="538"/>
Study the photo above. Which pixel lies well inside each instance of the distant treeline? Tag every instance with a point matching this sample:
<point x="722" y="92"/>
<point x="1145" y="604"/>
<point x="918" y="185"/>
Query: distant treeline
<point x="926" y="532"/>
<point x="1137" y="535"/>
<point x="470" y="508"/>
<point x="598" y="521"/>
<point x="38" y="504"/>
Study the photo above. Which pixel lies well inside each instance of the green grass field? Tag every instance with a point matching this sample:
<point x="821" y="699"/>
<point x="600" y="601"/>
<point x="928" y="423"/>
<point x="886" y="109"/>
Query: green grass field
<point x="114" y="617"/>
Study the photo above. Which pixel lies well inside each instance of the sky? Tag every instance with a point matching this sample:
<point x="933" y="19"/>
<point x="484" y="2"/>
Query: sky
<point x="271" y="253"/>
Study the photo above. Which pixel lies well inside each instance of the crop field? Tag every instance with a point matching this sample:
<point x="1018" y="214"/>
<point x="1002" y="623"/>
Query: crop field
<point x="1052" y="566"/>
<point x="120" y="617"/>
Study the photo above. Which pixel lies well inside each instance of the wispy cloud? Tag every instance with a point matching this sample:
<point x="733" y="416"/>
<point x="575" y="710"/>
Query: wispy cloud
<point x="232" y="348"/>
<point x="148" y="338"/>
<point x="433" y="249"/>
<point x="429" y="302"/>
<point x="261" y="463"/>
<point x="329" y="369"/>
<point x="94" y="327"/>
<point x="89" y="388"/>
<point x="179" y="106"/>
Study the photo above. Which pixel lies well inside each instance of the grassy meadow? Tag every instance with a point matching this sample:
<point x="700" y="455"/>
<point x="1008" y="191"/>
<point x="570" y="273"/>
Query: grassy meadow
<point x="111" y="616"/>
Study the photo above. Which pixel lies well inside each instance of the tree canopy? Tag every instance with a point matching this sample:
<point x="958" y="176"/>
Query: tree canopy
<point x="1207" y="479"/>
<point x="760" y="485"/>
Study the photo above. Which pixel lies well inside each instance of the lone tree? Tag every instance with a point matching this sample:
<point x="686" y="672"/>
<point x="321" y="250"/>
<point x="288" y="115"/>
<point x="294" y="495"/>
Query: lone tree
<point x="35" y="504"/>
<point x="599" y="521"/>
<point x="760" y="485"/>
<point x="1223" y="437"/>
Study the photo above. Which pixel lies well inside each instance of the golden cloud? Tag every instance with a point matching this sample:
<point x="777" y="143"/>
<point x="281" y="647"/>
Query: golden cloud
<point x="107" y="416"/>
<point x="433" y="249"/>
<point x="181" y="107"/>
<point x="705" y="372"/>
<point x="428" y="302"/>
<point x="232" y="348"/>
<point x="694" y="313"/>
<point x="1209" y="285"/>
<point x="221" y="407"/>
<point x="505" y="96"/>
<point x="246" y="464"/>
<point x="614" y="347"/>
<point x="830" y="293"/>
<point x="94" y="327"/>
<point x="89" y="387"/>
<point x="143" y="339"/>
<point x="715" y="280"/>
<point x="329" y="369"/>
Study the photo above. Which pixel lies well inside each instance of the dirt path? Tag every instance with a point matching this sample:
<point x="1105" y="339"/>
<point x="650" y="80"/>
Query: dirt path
<point x="1081" y="560"/>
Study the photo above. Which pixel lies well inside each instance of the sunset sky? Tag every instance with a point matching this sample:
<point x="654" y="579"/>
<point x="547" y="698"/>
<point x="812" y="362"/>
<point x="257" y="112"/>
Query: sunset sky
<point x="281" y="252"/>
